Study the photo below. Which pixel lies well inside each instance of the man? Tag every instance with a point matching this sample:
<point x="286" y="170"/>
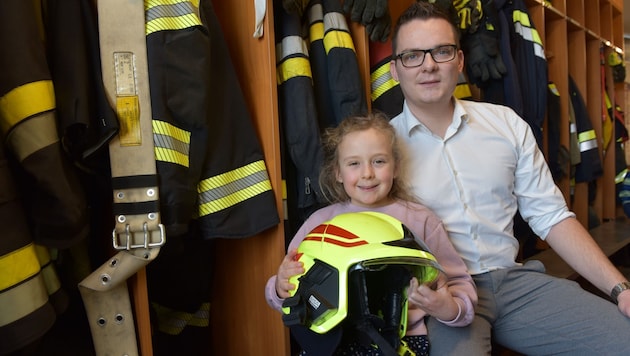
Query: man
<point x="475" y="164"/>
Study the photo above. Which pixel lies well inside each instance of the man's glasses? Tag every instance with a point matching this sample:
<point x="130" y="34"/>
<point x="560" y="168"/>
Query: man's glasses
<point x="415" y="57"/>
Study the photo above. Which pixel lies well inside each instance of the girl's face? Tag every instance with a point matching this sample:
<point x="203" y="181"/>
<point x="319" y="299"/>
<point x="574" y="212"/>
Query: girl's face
<point x="366" y="167"/>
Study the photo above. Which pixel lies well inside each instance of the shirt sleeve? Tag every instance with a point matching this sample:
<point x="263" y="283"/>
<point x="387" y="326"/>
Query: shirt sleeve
<point x="540" y="201"/>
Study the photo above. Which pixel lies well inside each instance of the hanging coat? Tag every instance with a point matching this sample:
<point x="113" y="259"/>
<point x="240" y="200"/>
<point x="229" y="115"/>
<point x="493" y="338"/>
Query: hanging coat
<point x="209" y="159"/>
<point x="590" y="166"/>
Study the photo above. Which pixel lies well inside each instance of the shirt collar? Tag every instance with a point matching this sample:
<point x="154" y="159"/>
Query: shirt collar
<point x="411" y="122"/>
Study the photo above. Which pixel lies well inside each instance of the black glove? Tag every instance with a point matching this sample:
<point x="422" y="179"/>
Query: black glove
<point x="469" y="13"/>
<point x="481" y="49"/>
<point x="293" y="6"/>
<point x="482" y="56"/>
<point x="365" y="11"/>
<point x="379" y="28"/>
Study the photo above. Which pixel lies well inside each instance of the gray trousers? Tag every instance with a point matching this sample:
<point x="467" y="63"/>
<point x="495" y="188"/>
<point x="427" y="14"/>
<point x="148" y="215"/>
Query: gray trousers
<point x="530" y="312"/>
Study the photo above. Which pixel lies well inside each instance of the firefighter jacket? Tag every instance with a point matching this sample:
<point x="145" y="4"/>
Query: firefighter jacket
<point x="336" y="75"/>
<point x="56" y="208"/>
<point x="41" y="199"/>
<point x="299" y="123"/>
<point x="213" y="177"/>
<point x="209" y="159"/>
<point x="558" y="155"/>
<point x="386" y="94"/>
<point x="525" y="83"/>
<point x="30" y="292"/>
<point x="590" y="166"/>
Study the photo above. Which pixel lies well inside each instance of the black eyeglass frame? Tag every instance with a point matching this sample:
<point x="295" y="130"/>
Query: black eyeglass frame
<point x="424" y="54"/>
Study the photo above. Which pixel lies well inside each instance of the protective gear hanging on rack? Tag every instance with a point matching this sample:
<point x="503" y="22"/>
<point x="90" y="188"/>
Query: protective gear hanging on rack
<point x="138" y="233"/>
<point x="210" y="162"/>
<point x="590" y="166"/>
<point x="299" y="114"/>
<point x="615" y="61"/>
<point x="43" y="205"/>
<point x="373" y="14"/>
<point x="30" y="292"/>
<point x="385" y="92"/>
<point x="606" y="105"/>
<point x="481" y="46"/>
<point x="470" y="14"/>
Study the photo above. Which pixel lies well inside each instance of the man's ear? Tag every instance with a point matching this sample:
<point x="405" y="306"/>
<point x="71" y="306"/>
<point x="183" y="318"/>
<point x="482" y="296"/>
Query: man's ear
<point x="392" y="70"/>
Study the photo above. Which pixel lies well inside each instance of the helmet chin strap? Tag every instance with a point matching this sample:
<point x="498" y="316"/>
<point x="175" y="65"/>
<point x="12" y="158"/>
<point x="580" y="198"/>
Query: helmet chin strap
<point x="381" y="331"/>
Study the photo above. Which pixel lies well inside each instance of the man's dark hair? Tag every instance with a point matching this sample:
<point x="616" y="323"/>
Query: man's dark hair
<point x="424" y="10"/>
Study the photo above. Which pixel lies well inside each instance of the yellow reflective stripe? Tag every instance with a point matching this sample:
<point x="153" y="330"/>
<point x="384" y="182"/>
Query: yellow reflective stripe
<point x="553" y="89"/>
<point x="173" y="322"/>
<point x="294" y="67"/>
<point x="621" y="176"/>
<point x="337" y="39"/>
<point x="22" y="300"/>
<point x="26" y="101"/>
<point x="587" y="140"/>
<point x="462" y="90"/>
<point x="586" y="136"/>
<point x="337" y="32"/>
<point x="230" y="188"/>
<point x="18" y="266"/>
<point x="33" y="134"/>
<point x="170" y="15"/>
<point x="172" y="144"/>
<point x="523" y="26"/>
<point x="381" y="81"/>
<point x="316" y="23"/>
<point x="607" y="99"/>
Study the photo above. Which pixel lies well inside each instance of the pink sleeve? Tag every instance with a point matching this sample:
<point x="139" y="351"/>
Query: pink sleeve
<point x="459" y="281"/>
<point x="271" y="296"/>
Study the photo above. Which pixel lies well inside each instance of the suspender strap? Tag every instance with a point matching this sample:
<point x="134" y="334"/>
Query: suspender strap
<point x="138" y="233"/>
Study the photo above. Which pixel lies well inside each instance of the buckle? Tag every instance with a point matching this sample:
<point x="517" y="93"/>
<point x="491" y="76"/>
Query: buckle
<point x="129" y="235"/>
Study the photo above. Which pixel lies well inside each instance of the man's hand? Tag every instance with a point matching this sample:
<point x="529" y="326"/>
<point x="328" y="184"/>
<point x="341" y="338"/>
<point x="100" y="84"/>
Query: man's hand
<point x="623" y="302"/>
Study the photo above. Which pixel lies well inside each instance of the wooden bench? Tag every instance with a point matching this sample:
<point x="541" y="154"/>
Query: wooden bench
<point x="611" y="236"/>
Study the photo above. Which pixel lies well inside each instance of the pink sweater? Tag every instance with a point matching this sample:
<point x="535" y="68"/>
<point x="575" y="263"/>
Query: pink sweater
<point x="426" y="226"/>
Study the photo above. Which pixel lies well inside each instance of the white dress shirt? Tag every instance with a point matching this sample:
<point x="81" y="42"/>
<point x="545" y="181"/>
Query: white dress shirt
<point x="487" y="167"/>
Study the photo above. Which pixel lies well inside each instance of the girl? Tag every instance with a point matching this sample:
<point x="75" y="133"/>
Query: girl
<point x="362" y="163"/>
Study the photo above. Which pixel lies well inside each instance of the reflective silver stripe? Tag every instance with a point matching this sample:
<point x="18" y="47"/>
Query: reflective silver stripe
<point x="382" y="81"/>
<point x="172" y="144"/>
<point x="23" y="299"/>
<point x="170" y="15"/>
<point x="230" y="188"/>
<point x="335" y="21"/>
<point x="291" y="45"/>
<point x="34" y="134"/>
<point x="315" y="14"/>
<point x="588" y="145"/>
<point x="523" y="26"/>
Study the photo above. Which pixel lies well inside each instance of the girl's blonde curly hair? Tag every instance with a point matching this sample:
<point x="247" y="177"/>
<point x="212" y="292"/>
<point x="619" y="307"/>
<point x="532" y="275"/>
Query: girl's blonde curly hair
<point x="332" y="190"/>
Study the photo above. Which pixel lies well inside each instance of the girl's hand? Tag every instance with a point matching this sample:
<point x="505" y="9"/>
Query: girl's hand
<point x="288" y="268"/>
<point x="436" y="302"/>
